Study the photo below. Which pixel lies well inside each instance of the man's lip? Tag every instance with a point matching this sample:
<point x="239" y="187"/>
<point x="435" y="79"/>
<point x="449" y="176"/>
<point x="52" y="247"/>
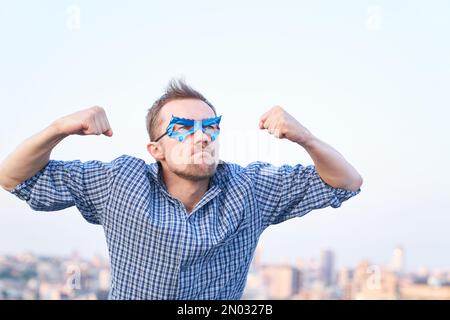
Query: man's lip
<point x="200" y="152"/>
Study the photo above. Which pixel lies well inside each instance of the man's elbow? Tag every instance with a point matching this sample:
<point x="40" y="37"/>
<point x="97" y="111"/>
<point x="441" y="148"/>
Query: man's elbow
<point x="6" y="187"/>
<point x="356" y="184"/>
<point x="352" y="184"/>
<point x="6" y="183"/>
<point x="348" y="183"/>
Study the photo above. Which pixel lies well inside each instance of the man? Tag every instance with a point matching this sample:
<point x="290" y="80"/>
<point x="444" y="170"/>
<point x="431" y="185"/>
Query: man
<point x="185" y="227"/>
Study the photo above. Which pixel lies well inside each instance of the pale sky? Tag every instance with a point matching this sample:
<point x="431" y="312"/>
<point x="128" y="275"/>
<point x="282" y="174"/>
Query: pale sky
<point x="371" y="78"/>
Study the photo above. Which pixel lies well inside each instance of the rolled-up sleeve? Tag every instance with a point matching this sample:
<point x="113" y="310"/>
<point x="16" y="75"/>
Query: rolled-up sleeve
<point x="287" y="192"/>
<point x="63" y="184"/>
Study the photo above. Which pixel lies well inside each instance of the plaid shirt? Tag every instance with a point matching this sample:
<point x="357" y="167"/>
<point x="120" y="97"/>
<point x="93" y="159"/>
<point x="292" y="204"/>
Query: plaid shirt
<point x="157" y="250"/>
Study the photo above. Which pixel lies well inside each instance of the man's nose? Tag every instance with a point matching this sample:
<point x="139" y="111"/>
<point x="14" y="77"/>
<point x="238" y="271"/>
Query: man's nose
<point x="200" y="136"/>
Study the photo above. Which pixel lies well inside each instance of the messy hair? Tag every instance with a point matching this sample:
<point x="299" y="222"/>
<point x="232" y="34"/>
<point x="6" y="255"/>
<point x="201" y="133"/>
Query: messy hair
<point x="175" y="90"/>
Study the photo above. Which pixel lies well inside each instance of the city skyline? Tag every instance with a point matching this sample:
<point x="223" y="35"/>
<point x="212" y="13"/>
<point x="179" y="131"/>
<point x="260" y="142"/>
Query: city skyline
<point x="262" y="257"/>
<point x="31" y="276"/>
<point x="321" y="279"/>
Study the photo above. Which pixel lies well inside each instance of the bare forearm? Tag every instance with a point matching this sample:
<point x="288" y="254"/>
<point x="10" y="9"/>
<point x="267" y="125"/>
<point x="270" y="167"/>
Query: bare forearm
<point x="29" y="157"/>
<point x="332" y="166"/>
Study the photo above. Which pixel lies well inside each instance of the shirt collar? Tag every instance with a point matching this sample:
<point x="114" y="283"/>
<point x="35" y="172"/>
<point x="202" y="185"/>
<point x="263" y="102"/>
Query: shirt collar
<point x="155" y="172"/>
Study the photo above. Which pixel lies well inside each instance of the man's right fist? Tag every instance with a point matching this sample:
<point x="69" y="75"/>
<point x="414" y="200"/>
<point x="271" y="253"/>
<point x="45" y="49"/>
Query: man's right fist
<point x="89" y="121"/>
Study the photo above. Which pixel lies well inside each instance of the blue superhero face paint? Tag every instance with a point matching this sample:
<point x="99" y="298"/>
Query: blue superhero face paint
<point x="181" y="128"/>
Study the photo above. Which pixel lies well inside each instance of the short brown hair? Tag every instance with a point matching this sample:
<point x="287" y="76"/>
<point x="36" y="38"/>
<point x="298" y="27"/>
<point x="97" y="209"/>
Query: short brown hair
<point x="175" y="90"/>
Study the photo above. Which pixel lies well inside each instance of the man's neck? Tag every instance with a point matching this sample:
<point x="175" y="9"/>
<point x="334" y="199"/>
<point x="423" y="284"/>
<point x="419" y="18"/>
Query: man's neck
<point x="187" y="191"/>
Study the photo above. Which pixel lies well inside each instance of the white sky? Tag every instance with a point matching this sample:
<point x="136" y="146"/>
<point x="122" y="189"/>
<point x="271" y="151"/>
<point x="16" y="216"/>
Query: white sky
<point x="371" y="78"/>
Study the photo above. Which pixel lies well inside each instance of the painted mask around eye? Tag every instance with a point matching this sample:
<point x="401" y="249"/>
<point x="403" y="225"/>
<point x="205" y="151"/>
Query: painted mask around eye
<point x="181" y="128"/>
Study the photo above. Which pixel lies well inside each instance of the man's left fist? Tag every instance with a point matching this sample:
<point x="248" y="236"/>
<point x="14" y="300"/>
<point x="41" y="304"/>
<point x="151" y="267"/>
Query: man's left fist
<point x="284" y="126"/>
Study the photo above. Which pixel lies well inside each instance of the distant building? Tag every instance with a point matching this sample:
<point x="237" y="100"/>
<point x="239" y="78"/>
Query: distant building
<point x="327" y="261"/>
<point x="425" y="292"/>
<point x="398" y="260"/>
<point x="373" y="282"/>
<point x="283" y="281"/>
<point x="345" y="280"/>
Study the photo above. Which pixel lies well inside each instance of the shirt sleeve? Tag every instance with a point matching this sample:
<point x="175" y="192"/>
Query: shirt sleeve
<point x="63" y="184"/>
<point x="292" y="191"/>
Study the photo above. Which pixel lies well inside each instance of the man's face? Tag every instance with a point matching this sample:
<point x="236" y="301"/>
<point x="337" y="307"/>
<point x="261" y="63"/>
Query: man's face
<point x="195" y="158"/>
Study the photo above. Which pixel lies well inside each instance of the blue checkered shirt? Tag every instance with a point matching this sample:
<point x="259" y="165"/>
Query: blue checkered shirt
<point x="157" y="250"/>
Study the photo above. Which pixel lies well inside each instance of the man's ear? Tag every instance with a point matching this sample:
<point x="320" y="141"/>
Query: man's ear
<point x="156" y="150"/>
